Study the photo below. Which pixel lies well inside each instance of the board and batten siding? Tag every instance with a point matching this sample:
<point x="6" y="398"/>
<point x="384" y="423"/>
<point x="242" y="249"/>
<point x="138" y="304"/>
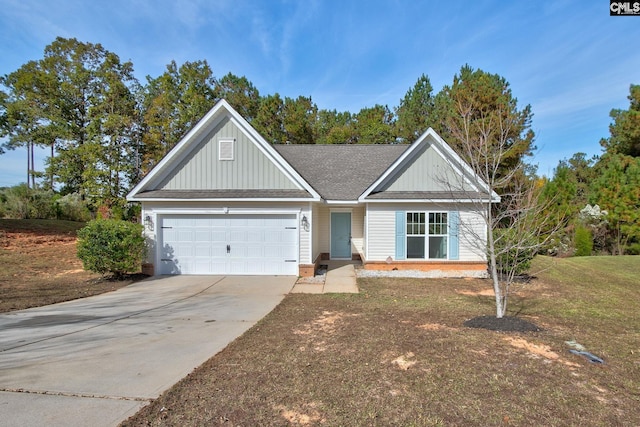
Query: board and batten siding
<point x="249" y="169"/>
<point x="154" y="209"/>
<point x="381" y="238"/>
<point x="428" y="172"/>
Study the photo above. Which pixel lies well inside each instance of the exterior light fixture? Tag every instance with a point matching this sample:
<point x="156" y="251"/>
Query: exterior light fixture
<point x="148" y="222"/>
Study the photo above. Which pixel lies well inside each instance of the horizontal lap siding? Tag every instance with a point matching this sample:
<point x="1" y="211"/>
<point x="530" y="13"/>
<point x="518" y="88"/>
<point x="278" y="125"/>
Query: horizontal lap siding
<point x="472" y="247"/>
<point x="381" y="230"/>
<point x="305" y="238"/>
<point x="357" y="229"/>
<point x="315" y="226"/>
<point x="323" y="229"/>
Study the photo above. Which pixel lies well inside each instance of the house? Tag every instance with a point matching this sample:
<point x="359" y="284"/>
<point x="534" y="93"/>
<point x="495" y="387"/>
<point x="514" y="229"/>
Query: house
<point x="225" y="201"/>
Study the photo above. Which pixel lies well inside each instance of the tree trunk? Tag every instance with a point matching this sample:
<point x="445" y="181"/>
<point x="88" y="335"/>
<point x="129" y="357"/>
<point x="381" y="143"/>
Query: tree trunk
<point x="501" y="300"/>
<point x="33" y="166"/>
<point x="51" y="168"/>
<point x="28" y="163"/>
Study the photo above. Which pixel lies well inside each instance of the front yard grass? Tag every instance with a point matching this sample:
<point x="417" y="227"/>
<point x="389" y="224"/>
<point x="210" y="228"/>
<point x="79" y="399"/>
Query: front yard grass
<point x="39" y="266"/>
<point x="398" y="354"/>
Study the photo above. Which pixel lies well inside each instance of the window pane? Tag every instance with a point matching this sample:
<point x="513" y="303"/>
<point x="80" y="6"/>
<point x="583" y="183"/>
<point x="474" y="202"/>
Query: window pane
<point x="437" y="247"/>
<point x="415" y="247"/>
<point x="415" y="223"/>
<point x="438" y="223"/>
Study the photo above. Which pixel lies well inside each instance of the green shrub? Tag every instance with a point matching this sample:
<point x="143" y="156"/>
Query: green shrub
<point x="583" y="241"/>
<point x="22" y="202"/>
<point x="72" y="208"/>
<point x="15" y="201"/>
<point x="41" y="204"/>
<point x="111" y="246"/>
<point x="632" y="249"/>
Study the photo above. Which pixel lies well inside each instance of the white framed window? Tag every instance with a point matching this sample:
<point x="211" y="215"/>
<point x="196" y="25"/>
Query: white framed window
<point x="226" y="149"/>
<point x="438" y="232"/>
<point x="427" y="240"/>
<point x="415" y="234"/>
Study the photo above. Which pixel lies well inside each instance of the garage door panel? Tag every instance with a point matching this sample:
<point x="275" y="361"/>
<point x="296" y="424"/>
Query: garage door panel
<point x="218" y="236"/>
<point x="186" y="235"/>
<point x="255" y="235"/>
<point x="203" y="235"/>
<point x="184" y="251"/>
<point x="258" y="244"/>
<point x="219" y="250"/>
<point x="255" y="251"/>
<point x="203" y="250"/>
<point x="238" y="236"/>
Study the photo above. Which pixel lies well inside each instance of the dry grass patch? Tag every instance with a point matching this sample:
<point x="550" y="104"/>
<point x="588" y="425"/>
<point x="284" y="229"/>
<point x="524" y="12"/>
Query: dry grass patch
<point x="398" y="354"/>
<point x="40" y="266"/>
<point x="539" y="350"/>
<point x="405" y="361"/>
<point x="296" y="418"/>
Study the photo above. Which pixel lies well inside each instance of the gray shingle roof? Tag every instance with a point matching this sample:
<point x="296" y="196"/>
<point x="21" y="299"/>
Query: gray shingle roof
<point x="224" y="194"/>
<point x="340" y="172"/>
<point x="430" y="195"/>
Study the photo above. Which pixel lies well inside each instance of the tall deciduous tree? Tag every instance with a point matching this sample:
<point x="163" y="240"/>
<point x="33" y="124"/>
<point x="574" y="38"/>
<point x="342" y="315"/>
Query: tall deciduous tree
<point x="115" y="137"/>
<point x="70" y="100"/>
<point x="565" y="195"/>
<point x="241" y="94"/>
<point x="415" y="112"/>
<point x="269" y="119"/>
<point x="616" y="184"/>
<point x="22" y="119"/>
<point x="481" y="120"/>
<point x="482" y="104"/>
<point x="374" y="125"/>
<point x="299" y="117"/>
<point x="173" y="103"/>
<point x="617" y="190"/>
<point x="333" y="127"/>
<point x="625" y="129"/>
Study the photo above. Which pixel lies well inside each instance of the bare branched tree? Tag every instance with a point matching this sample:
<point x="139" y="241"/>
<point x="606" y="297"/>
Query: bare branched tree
<point x="514" y="228"/>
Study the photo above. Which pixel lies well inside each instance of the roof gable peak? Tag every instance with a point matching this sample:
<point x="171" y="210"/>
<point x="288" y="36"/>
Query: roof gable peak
<point x="454" y="173"/>
<point x="222" y="112"/>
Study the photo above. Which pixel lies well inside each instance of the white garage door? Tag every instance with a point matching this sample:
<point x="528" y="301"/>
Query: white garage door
<point x="228" y="244"/>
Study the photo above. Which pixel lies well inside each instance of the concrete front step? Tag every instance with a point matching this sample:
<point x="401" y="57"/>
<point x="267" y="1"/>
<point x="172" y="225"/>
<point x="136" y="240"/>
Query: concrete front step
<point x="340" y="278"/>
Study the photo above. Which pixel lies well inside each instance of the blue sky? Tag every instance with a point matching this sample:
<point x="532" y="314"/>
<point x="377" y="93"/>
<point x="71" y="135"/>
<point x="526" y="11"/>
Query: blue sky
<point x="569" y="60"/>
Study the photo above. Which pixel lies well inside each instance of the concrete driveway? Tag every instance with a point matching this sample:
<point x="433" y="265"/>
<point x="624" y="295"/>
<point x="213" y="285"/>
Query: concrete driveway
<point x="97" y="360"/>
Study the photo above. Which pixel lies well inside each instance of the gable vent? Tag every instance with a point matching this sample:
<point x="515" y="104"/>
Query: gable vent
<point x="225" y="149"/>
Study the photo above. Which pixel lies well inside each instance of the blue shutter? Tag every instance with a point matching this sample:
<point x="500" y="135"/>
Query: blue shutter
<point x="401" y="230"/>
<point x="454" y="240"/>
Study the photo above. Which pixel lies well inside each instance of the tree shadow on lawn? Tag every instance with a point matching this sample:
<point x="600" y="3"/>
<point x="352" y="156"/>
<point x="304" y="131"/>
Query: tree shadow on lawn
<point x="504" y="324"/>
